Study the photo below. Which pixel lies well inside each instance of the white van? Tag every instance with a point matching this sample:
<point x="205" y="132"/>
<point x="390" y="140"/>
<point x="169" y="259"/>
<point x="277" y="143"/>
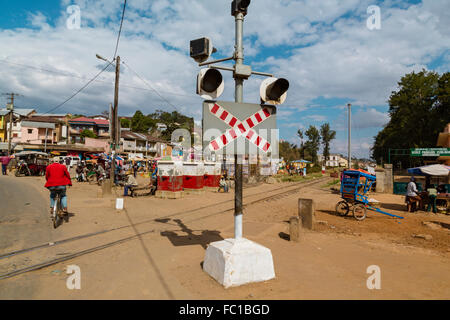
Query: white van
<point x="73" y="161"/>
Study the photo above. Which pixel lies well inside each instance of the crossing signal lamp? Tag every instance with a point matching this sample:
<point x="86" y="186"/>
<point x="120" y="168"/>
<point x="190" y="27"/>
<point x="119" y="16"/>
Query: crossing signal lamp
<point x="274" y="91"/>
<point x="210" y="84"/>
<point x="201" y="49"/>
<point x="239" y="6"/>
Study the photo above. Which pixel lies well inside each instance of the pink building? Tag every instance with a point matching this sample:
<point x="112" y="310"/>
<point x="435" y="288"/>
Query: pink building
<point x="42" y="130"/>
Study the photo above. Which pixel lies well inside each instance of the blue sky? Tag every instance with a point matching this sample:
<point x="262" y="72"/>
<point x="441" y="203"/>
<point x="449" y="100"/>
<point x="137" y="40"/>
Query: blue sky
<point x="323" y="48"/>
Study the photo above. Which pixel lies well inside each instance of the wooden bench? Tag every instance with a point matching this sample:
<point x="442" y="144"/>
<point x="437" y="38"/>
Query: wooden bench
<point x="141" y="191"/>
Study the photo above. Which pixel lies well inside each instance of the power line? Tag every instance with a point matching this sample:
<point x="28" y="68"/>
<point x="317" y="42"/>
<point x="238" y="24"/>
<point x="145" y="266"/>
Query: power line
<point x="120" y="29"/>
<point x="98" y="74"/>
<point x="150" y="86"/>
<point x="82" y="88"/>
<point x="72" y="75"/>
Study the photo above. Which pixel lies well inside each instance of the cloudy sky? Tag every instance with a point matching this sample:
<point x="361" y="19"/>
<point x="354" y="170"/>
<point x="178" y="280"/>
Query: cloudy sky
<point x="324" y="48"/>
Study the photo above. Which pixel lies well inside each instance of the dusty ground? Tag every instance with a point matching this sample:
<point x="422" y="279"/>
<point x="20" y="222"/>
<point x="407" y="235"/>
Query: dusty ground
<point x="165" y="263"/>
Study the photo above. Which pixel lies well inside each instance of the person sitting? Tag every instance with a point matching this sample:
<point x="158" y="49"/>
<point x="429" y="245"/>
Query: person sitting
<point x="223" y="184"/>
<point x="412" y="197"/>
<point x="131" y="182"/>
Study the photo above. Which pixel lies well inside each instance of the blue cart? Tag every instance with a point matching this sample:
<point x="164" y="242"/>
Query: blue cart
<point x="354" y="187"/>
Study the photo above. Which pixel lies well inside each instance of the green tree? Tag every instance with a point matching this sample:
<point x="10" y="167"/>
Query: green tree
<point x="173" y="121"/>
<point x="327" y="136"/>
<point x="418" y="112"/>
<point x="87" y="134"/>
<point x="141" y="123"/>
<point x="312" y="145"/>
<point x="125" y="123"/>
<point x="288" y="151"/>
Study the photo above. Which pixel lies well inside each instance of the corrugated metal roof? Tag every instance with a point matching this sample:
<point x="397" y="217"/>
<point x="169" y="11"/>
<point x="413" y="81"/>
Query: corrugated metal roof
<point x="21" y="112"/>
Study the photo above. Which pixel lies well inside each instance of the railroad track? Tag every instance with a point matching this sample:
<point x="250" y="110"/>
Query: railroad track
<point x="285" y="192"/>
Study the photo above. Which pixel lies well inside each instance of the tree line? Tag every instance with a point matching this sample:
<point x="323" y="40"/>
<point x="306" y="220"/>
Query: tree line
<point x="419" y="110"/>
<point x="310" y="142"/>
<point x="148" y="123"/>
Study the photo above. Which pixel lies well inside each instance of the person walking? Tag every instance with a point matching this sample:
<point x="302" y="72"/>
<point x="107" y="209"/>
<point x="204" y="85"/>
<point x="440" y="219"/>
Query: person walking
<point x="412" y="197"/>
<point x="68" y="163"/>
<point x="5" y="161"/>
<point x="135" y="169"/>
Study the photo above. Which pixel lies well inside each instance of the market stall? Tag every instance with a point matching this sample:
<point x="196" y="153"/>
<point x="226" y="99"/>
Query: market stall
<point x="435" y="173"/>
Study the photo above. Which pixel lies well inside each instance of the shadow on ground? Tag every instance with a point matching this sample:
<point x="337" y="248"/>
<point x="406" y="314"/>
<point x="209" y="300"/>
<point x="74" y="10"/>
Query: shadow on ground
<point x="190" y="238"/>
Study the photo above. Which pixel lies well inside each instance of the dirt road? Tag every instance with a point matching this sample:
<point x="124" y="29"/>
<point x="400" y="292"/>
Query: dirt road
<point x="164" y="259"/>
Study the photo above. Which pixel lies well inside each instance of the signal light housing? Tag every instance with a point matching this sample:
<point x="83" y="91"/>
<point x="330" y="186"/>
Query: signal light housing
<point x="239" y="6"/>
<point x="210" y="84"/>
<point x="274" y="91"/>
<point x="201" y="49"/>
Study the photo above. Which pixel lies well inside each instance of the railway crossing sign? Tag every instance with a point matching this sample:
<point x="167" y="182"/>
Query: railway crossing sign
<point x="239" y="128"/>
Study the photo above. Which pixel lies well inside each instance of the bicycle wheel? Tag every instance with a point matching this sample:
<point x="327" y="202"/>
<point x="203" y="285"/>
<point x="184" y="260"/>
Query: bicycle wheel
<point x="55" y="218"/>
<point x="359" y="212"/>
<point x="342" y="208"/>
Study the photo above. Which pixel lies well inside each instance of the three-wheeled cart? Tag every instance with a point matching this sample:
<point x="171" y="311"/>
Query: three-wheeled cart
<point x="354" y="187"/>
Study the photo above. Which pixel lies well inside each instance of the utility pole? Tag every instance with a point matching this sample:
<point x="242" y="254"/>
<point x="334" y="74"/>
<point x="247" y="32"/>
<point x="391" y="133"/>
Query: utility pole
<point x="114" y="125"/>
<point x="11" y="116"/>
<point x="349" y="136"/>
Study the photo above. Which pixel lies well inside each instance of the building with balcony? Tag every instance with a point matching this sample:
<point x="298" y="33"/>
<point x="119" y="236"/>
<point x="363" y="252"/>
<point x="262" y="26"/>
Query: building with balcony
<point x="44" y="130"/>
<point x="99" y="127"/>
<point x="140" y="143"/>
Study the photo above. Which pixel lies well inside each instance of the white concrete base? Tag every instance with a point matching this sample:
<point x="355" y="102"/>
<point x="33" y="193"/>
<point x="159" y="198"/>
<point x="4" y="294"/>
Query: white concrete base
<point x="237" y="262"/>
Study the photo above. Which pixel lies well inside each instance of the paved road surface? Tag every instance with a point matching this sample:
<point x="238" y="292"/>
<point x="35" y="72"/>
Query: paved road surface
<point x="24" y="214"/>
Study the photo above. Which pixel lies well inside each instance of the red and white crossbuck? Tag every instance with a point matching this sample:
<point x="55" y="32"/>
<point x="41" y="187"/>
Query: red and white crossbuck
<point x="239" y="128"/>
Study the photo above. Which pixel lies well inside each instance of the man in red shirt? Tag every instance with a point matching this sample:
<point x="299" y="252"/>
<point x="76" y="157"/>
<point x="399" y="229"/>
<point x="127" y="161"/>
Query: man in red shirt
<point x="58" y="178"/>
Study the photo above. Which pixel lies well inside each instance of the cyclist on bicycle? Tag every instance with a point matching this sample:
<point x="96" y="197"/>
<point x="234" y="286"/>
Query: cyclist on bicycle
<point x="58" y="178"/>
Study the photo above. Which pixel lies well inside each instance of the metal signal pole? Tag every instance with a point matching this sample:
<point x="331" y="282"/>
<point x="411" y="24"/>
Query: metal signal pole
<point x="238" y="159"/>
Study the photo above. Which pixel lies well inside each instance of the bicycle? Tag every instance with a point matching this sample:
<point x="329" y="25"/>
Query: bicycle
<point x="57" y="212"/>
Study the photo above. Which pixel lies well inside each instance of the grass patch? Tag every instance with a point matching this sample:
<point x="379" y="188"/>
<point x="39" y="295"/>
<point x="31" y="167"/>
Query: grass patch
<point x="297" y="178"/>
<point x="331" y="183"/>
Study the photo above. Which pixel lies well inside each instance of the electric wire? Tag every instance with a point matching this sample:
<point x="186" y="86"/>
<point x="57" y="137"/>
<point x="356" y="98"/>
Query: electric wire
<point x="150" y="86"/>
<point x="98" y="74"/>
<point x="120" y="29"/>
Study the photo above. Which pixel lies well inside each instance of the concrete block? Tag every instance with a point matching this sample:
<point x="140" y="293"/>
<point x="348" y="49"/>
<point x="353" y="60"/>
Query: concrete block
<point x="169" y="194"/>
<point x="238" y="262"/>
<point x="194" y="191"/>
<point x="306" y="212"/>
<point x="295" y="224"/>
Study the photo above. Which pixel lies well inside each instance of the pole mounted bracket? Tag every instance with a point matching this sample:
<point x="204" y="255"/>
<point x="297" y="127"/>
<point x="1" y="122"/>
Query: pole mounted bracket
<point x="242" y="71"/>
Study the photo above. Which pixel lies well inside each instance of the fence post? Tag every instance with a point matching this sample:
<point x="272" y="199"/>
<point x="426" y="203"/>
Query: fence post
<point x="306" y="212"/>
